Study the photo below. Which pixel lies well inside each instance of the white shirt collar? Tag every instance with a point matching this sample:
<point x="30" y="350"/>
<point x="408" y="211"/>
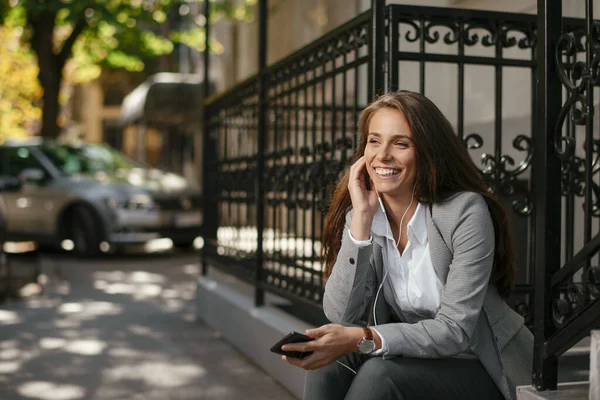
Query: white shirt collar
<point x="417" y="224"/>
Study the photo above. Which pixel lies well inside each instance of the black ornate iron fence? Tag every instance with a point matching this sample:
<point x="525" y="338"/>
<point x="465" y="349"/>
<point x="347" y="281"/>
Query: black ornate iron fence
<point x="275" y="144"/>
<point x="313" y="99"/>
<point x="232" y="123"/>
<point x="567" y="285"/>
<point x="312" y="102"/>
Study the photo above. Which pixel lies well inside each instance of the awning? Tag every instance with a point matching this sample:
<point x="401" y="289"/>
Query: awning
<point x="164" y="98"/>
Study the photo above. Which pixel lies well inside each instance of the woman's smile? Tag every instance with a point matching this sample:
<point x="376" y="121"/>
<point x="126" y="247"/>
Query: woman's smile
<point x="387" y="172"/>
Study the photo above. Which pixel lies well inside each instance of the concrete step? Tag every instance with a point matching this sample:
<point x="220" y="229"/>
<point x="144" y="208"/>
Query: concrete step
<point x="574" y="364"/>
<point x="564" y="391"/>
<point x="578" y="374"/>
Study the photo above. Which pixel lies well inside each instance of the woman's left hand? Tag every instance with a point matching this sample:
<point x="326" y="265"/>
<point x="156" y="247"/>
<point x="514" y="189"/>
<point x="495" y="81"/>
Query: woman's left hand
<point x="331" y="342"/>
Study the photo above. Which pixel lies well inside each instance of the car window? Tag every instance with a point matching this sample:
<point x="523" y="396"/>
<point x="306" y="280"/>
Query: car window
<point x="86" y="159"/>
<point x="16" y="159"/>
<point x="63" y="158"/>
<point x="105" y="158"/>
<point x="95" y="159"/>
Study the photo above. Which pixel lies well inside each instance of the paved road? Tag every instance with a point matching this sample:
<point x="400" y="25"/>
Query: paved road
<point x="121" y="328"/>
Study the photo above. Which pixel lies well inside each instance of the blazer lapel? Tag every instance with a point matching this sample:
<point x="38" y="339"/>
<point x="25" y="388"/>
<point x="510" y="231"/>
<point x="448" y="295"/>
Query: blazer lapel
<point x="440" y="254"/>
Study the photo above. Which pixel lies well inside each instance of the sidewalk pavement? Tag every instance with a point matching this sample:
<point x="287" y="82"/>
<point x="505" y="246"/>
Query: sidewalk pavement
<point x="121" y="328"/>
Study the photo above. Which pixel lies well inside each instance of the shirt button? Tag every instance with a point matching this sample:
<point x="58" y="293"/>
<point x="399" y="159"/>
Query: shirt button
<point x="351" y="260"/>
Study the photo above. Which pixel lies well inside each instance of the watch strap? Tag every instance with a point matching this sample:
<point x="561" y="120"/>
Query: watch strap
<point x="368" y="333"/>
<point x="367" y="343"/>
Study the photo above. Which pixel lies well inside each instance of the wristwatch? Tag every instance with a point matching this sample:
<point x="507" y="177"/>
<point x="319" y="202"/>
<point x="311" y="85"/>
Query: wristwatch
<point x="367" y="344"/>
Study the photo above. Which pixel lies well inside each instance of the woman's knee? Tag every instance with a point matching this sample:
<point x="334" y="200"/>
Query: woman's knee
<point x="374" y="368"/>
<point x="374" y="380"/>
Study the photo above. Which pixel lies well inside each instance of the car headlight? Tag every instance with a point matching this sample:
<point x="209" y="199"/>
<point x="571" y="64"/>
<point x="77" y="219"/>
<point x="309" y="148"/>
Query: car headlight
<point x="115" y="204"/>
<point x="140" y="201"/>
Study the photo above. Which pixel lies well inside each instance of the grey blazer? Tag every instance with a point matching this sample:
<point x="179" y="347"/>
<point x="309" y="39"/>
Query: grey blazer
<point x="472" y="314"/>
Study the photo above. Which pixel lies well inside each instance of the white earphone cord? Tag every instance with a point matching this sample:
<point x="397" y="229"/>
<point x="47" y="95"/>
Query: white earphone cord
<point x="397" y="243"/>
<point x="344" y="365"/>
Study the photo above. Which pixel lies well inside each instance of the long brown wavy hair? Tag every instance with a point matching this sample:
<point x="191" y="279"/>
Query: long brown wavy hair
<point x="444" y="169"/>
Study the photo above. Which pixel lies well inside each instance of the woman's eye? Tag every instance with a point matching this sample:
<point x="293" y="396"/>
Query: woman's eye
<point x="401" y="144"/>
<point x="373" y="141"/>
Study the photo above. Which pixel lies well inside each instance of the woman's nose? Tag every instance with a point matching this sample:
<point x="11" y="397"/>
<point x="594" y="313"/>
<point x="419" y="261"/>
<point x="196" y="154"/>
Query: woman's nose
<point x="383" y="153"/>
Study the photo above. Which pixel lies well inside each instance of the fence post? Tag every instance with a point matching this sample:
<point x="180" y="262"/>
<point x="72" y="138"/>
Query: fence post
<point x="393" y="78"/>
<point x="209" y="209"/>
<point x="546" y="189"/>
<point x="377" y="46"/>
<point x="259" y="294"/>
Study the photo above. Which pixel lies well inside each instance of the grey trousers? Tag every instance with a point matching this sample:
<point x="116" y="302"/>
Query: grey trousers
<point x="401" y="378"/>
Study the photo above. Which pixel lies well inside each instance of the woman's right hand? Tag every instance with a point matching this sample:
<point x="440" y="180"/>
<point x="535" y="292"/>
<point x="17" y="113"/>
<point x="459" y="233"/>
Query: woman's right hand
<point x="364" y="201"/>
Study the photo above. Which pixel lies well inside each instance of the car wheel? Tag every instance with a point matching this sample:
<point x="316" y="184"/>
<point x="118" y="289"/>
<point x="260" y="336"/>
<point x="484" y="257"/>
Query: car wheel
<point x="83" y="232"/>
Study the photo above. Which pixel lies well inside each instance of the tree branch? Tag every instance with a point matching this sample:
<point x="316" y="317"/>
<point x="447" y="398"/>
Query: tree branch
<point x="67" y="48"/>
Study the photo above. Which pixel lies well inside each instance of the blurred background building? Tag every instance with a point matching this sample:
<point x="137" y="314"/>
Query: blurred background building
<point x="94" y="111"/>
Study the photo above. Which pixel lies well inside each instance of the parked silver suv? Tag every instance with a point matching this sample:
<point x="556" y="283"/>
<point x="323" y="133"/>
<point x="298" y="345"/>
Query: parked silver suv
<point x="88" y="198"/>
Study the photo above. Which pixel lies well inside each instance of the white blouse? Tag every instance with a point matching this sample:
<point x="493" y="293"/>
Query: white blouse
<point x="411" y="287"/>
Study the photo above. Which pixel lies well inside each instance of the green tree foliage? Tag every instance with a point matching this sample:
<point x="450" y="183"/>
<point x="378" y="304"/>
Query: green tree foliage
<point x="20" y="91"/>
<point x="92" y="34"/>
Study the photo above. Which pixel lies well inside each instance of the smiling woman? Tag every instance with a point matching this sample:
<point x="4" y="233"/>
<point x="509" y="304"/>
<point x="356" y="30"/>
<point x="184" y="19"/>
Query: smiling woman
<point x="418" y="250"/>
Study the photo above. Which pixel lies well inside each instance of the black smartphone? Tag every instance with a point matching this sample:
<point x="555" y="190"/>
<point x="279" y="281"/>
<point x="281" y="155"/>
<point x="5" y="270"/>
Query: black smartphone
<point x="292" y="337"/>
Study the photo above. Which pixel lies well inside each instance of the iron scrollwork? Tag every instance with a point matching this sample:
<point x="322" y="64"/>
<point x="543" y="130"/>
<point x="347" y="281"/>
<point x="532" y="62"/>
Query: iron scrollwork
<point x="414" y="33"/>
<point x="573" y="297"/>
<point x="469" y="31"/>
<point x="574" y="76"/>
<point x="503" y="179"/>
<point x="431" y="35"/>
<point x="472" y="38"/>
<point x="578" y="78"/>
<point x="573" y="176"/>
<point x="507" y="38"/>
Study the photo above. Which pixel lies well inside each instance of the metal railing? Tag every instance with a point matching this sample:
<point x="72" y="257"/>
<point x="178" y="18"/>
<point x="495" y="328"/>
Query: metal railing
<point x="312" y="102"/>
<point x="567" y="285"/>
<point x="276" y="143"/>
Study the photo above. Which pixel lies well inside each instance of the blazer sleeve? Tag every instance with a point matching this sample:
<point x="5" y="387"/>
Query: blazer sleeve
<point x="349" y="288"/>
<point x="450" y="331"/>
